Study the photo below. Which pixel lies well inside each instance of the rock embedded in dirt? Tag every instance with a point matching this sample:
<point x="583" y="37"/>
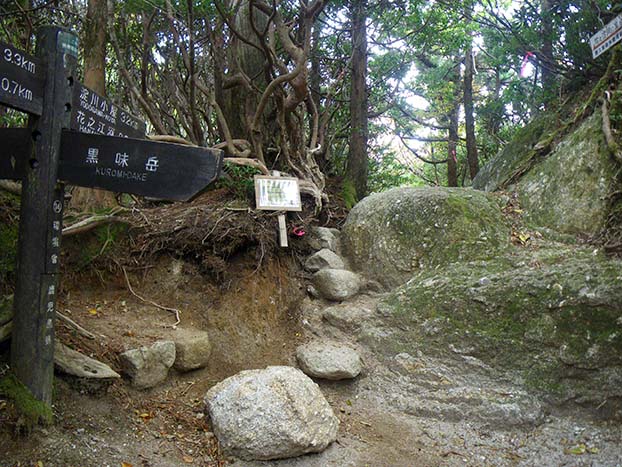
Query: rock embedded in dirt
<point x="274" y="413"/>
<point x="76" y="364"/>
<point x="337" y="284"/>
<point x="346" y="317"/>
<point x="324" y="237"/>
<point x="390" y="236"/>
<point x="324" y="259"/>
<point x="148" y="366"/>
<point x="328" y="361"/>
<point x="192" y="349"/>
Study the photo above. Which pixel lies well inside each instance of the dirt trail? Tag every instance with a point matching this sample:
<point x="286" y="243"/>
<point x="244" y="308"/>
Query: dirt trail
<point x="408" y="411"/>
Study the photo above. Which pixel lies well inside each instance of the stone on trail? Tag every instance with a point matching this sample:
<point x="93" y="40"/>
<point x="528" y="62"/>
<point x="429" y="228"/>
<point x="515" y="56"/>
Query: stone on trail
<point x="192" y="349"/>
<point x="347" y="317"/>
<point x="324" y="259"/>
<point x="76" y="364"/>
<point x="274" y="413"/>
<point x="148" y="366"/>
<point x="337" y="284"/>
<point x="328" y="361"/>
<point x="324" y="237"/>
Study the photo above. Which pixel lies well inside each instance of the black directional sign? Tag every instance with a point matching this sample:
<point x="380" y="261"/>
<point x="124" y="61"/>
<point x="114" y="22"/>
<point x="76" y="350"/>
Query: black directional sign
<point x="15" y="145"/>
<point x="99" y="150"/>
<point x="92" y="113"/>
<point x="21" y="84"/>
<point x="141" y="167"/>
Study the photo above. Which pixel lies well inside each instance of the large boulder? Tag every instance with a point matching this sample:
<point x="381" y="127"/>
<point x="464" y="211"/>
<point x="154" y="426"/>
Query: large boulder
<point x="390" y="236"/>
<point x="552" y="318"/>
<point x="328" y="361"/>
<point x="274" y="413"/>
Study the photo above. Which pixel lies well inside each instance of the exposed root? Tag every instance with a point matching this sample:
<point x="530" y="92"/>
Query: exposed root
<point x="151" y="302"/>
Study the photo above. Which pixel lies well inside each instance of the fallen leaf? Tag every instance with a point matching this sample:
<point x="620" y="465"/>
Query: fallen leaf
<point x="577" y="450"/>
<point x="126" y="464"/>
<point x="39" y="464"/>
<point x="93" y="311"/>
<point x="593" y="450"/>
<point x="188" y="459"/>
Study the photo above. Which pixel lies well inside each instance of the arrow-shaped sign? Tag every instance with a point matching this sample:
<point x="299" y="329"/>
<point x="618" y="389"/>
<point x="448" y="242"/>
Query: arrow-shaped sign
<point x="141" y="167"/>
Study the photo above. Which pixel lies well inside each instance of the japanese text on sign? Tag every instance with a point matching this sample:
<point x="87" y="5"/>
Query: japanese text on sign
<point x="606" y="37"/>
<point x="92" y="113"/>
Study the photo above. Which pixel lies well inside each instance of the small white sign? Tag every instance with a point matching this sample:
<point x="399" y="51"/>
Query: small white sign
<point x="277" y="193"/>
<point x="606" y="37"/>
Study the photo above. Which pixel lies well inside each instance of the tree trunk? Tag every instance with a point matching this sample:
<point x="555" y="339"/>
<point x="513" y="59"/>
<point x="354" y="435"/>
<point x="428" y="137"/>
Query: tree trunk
<point x="546" y="60"/>
<point x="356" y="171"/>
<point x="469" y="117"/>
<point x="94" y="78"/>
<point x="452" y="145"/>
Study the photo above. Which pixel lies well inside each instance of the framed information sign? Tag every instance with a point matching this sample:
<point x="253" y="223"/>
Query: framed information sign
<point x="277" y="193"/>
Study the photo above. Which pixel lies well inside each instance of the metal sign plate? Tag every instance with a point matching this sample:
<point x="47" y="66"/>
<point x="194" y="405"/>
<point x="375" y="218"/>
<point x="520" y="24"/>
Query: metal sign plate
<point x="277" y="193"/>
<point x="607" y="37"/>
<point x="141" y="167"/>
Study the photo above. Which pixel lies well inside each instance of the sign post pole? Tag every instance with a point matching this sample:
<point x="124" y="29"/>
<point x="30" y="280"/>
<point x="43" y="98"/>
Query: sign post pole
<point x="32" y="343"/>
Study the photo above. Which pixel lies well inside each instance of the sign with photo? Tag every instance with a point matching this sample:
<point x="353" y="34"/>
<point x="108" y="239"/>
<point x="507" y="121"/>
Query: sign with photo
<point x="277" y="193"/>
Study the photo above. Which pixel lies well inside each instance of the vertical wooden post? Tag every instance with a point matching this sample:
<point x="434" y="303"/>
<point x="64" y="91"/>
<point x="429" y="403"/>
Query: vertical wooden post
<point x="32" y="343"/>
<point x="282" y="224"/>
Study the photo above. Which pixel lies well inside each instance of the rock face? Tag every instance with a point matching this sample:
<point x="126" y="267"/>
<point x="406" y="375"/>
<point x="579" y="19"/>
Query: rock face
<point x="324" y="259"/>
<point x="328" y="361"/>
<point x="148" y="366"/>
<point x="389" y="236"/>
<point x="565" y="189"/>
<point x="273" y="413"/>
<point x="568" y="190"/>
<point x="192" y="349"/>
<point x="552" y="318"/>
<point x="337" y="284"/>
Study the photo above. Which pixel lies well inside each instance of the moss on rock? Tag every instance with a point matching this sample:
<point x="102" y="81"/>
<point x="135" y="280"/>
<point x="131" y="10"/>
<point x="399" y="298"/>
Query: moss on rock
<point x="568" y="190"/>
<point x="389" y="236"/>
<point x="553" y="317"/>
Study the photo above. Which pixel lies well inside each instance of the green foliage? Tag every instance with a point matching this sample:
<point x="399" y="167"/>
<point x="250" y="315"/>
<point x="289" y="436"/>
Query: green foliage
<point x="31" y="411"/>
<point x="388" y="172"/>
<point x="9" y="227"/>
<point x="239" y="180"/>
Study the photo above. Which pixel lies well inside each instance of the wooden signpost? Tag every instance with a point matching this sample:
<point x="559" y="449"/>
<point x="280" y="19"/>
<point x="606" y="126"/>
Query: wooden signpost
<point x="76" y="136"/>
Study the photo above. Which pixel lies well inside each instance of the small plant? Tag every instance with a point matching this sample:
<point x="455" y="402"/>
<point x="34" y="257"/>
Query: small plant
<point x="239" y="180"/>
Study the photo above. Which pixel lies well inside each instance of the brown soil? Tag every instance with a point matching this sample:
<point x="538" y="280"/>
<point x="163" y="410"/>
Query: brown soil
<point x="252" y="323"/>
